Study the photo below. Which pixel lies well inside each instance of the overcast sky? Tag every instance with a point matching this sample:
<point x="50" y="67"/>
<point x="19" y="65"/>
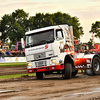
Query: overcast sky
<point x="88" y="11"/>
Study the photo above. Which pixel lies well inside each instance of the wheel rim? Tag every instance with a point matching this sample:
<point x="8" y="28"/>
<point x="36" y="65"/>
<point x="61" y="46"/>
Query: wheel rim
<point x="96" y="66"/>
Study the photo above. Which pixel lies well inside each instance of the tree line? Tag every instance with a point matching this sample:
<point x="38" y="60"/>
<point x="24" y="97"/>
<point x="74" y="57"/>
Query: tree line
<point x="14" y="25"/>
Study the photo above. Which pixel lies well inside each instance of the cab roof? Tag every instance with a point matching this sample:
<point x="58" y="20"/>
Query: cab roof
<point x="46" y="28"/>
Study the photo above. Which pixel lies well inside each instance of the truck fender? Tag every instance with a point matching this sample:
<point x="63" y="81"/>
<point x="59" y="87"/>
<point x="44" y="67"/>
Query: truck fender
<point x="95" y="64"/>
<point x="89" y="56"/>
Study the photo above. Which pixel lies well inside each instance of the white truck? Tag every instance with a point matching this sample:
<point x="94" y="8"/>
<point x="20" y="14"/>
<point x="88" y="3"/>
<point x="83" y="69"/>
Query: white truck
<point x="51" y="49"/>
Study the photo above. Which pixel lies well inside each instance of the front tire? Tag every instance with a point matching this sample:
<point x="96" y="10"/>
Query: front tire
<point x="68" y="70"/>
<point x="39" y="75"/>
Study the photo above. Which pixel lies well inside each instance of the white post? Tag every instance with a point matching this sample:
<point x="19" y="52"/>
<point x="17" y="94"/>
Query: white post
<point x="92" y="39"/>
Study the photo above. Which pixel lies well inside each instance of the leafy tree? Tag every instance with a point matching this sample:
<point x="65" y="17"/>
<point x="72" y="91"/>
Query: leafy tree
<point x="5" y="26"/>
<point x="42" y="20"/>
<point x="48" y="20"/>
<point x="95" y="28"/>
<point x="30" y="23"/>
<point x="13" y="26"/>
<point x="58" y="18"/>
<point x="38" y="20"/>
<point x="77" y="29"/>
<point x="90" y="43"/>
<point x="63" y="18"/>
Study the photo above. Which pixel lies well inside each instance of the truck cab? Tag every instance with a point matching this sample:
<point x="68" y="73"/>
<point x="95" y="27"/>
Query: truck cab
<point x="45" y="48"/>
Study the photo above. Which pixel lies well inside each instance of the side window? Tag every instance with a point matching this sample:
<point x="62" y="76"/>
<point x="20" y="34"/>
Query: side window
<point x="59" y="34"/>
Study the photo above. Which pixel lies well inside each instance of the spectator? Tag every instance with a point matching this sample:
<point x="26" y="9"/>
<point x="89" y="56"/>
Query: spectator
<point x="0" y="53"/>
<point x="13" y="53"/>
<point x="8" y="53"/>
<point x="22" y="53"/>
<point x="19" y="53"/>
<point x="4" y="53"/>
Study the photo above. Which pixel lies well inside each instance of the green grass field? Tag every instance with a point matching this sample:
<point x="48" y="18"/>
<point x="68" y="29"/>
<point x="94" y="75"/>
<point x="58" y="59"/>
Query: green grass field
<point x="13" y="64"/>
<point x="15" y="76"/>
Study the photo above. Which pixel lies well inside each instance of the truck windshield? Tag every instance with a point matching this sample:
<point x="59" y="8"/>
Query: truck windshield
<point x="39" y="38"/>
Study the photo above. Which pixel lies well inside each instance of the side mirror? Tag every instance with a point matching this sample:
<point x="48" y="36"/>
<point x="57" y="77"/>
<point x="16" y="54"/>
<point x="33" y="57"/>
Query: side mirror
<point x="22" y="42"/>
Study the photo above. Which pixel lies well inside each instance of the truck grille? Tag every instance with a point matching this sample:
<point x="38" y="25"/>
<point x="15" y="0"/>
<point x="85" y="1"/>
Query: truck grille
<point x="40" y="64"/>
<point x="39" y="56"/>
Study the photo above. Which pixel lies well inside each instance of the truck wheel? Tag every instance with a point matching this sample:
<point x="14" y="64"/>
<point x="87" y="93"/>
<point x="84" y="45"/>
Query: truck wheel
<point x="39" y="75"/>
<point x="89" y="72"/>
<point x="74" y="73"/>
<point x="95" y="69"/>
<point x="68" y="71"/>
<point x="96" y="65"/>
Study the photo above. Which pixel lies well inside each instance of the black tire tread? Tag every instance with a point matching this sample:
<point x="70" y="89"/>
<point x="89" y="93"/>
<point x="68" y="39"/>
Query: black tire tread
<point x="68" y="71"/>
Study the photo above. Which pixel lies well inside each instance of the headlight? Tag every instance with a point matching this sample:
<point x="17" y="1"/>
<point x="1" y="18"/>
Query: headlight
<point x="29" y="64"/>
<point x="53" y="60"/>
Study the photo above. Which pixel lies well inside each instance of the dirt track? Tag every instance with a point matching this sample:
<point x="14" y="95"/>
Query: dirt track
<point x="52" y="87"/>
<point x="13" y="70"/>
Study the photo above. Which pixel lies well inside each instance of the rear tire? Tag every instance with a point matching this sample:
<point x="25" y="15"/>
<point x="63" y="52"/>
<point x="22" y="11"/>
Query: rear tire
<point x="95" y="69"/>
<point x="89" y="72"/>
<point x="39" y="75"/>
<point x="68" y="71"/>
<point x="96" y="65"/>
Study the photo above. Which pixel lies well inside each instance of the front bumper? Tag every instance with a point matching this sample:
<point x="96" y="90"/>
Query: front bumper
<point x="46" y="68"/>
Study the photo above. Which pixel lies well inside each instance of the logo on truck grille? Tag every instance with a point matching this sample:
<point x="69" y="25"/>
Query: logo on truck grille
<point x="46" y="46"/>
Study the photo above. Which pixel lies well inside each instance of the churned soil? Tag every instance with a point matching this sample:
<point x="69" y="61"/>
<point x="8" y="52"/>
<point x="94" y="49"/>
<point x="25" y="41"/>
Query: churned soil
<point x="51" y="87"/>
<point x="9" y="70"/>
